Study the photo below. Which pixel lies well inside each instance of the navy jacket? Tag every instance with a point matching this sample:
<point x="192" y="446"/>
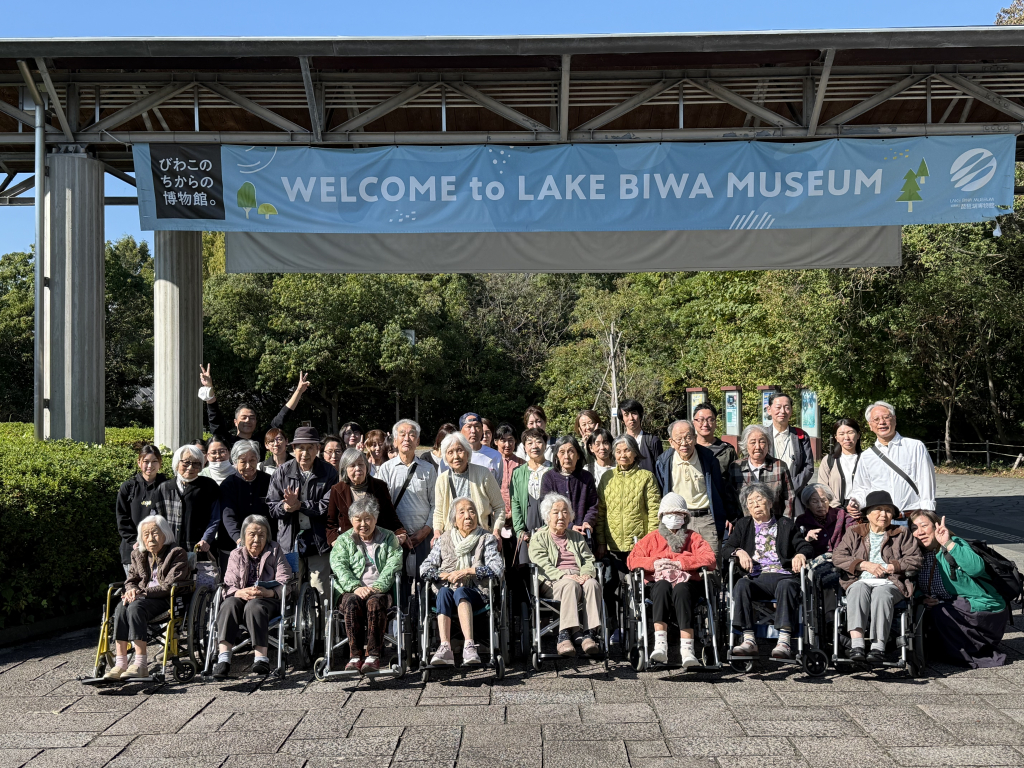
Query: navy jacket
<point x="238" y="500"/>
<point x="312" y="541"/>
<point x="712" y="479"/>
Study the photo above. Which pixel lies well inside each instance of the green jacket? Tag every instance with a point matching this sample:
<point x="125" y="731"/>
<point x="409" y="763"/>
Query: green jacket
<point x="544" y="554"/>
<point x="519" y="494"/>
<point x="627" y="507"/>
<point x="969" y="579"/>
<point x="348" y="562"/>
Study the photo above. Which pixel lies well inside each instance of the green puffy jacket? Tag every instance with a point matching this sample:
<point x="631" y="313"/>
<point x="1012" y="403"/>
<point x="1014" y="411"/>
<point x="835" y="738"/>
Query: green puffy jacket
<point x="627" y="506"/>
<point x="349" y="563"/>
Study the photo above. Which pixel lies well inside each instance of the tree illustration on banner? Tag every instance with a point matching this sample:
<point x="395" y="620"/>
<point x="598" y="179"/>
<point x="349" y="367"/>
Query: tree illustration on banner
<point x="910" y="191"/>
<point x="922" y="171"/>
<point x="247" y="198"/>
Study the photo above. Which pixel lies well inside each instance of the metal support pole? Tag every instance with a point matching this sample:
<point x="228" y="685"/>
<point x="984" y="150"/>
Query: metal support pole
<point x="681" y="103"/>
<point x="563" y="100"/>
<point x="195" y="105"/>
<point x="928" y="100"/>
<point x="988" y="456"/>
<point x="444" y="111"/>
<point x="614" y="399"/>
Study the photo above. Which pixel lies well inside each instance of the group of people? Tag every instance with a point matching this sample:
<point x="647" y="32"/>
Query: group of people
<point x="484" y="501"/>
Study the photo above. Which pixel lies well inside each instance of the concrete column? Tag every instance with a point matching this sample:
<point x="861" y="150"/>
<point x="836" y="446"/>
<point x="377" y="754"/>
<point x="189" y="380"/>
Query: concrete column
<point x="178" y="337"/>
<point x="74" y="299"/>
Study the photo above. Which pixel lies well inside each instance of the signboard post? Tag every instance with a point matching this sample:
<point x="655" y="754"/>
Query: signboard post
<point x="733" y="410"/>
<point x="810" y="419"/>
<point x="767" y="390"/>
<point x="694" y="397"/>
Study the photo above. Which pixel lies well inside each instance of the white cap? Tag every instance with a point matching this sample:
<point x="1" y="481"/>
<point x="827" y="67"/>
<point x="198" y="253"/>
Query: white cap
<point x="672" y="502"/>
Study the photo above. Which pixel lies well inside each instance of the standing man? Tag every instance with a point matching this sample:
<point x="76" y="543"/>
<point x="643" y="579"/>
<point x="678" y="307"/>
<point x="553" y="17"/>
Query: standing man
<point x="632" y="414"/>
<point x="790" y="444"/>
<point x="705" y="420"/>
<point x="692" y="471"/>
<point x="411" y="482"/>
<point x="472" y="428"/>
<point x="899" y="465"/>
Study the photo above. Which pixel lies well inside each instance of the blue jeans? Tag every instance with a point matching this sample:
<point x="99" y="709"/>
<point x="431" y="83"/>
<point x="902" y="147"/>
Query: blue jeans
<point x="448" y="600"/>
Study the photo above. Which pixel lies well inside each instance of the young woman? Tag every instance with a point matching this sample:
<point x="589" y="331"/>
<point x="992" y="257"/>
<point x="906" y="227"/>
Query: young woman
<point x="840" y="467"/>
<point x="375" y="445"/>
<point x="599" y="448"/>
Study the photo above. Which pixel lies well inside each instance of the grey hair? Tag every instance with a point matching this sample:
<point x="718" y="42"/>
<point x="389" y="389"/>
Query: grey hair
<point x="406" y="422"/>
<point x="364" y="506"/>
<point x="630" y="441"/>
<point x="256" y="520"/>
<point x="751" y="429"/>
<point x="805" y="494"/>
<point x="348" y="458"/>
<point x="455" y="437"/>
<point x="162" y="524"/>
<point x="455" y="502"/>
<point x="242" y="447"/>
<point x="759" y="488"/>
<point x="193" y="451"/>
<point x="548" y="503"/>
<point x="887" y="406"/>
<point x="672" y="426"/>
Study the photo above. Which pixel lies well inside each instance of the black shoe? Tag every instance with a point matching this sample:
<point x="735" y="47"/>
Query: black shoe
<point x="875" y="657"/>
<point x="857" y="654"/>
<point x="261" y="667"/>
<point x="220" y="670"/>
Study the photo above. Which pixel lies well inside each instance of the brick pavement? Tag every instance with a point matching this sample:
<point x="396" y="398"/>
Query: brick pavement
<point x="564" y="717"/>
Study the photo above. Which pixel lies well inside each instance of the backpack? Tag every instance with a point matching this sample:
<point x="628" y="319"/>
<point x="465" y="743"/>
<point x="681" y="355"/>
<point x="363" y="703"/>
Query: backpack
<point x="1003" y="573"/>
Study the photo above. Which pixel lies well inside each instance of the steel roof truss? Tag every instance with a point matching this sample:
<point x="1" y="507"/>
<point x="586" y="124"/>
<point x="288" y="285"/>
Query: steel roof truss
<point x="984" y="95"/>
<point x="485" y="101"/>
<point x="139" y="107"/>
<point x="388" y="105"/>
<point x="872" y="102"/>
<point x="54" y="100"/>
<point x="628" y="105"/>
<point x="251" y="106"/>
<point x="742" y="103"/>
<point x="314" y="111"/>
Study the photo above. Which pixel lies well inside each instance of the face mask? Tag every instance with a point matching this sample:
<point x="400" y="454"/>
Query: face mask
<point x="673" y="522"/>
<point x="219" y="466"/>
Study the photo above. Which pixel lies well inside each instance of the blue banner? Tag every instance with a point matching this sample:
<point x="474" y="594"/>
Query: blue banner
<point x="575" y="187"/>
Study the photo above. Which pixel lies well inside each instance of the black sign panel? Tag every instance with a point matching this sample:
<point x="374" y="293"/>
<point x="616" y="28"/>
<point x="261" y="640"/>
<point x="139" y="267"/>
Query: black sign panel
<point x="187" y="181"/>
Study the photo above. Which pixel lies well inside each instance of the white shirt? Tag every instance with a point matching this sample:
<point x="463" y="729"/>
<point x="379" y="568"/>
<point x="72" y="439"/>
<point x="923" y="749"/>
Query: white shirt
<point x="489" y="458"/>
<point x="598" y="472"/>
<point x="416" y="509"/>
<point x="848" y="461"/>
<point x="909" y="455"/>
<point x="783" y="446"/>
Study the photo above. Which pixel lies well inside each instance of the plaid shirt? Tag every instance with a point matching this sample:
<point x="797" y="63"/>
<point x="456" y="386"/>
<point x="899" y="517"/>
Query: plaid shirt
<point x="774" y="473"/>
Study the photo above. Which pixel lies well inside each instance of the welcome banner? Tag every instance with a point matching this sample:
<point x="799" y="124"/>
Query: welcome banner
<point x="575" y="188"/>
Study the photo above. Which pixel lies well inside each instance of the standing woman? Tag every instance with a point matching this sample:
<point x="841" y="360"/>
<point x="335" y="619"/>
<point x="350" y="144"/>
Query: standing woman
<point x="599" y="449"/>
<point x="568" y="478"/>
<point x="586" y="422"/>
<point x="526" y="483"/>
<point x="375" y="445"/>
<point x="355" y="483"/>
<point x="218" y="460"/>
<point x="241" y="495"/>
<point x="189" y="502"/>
<point x="840" y="466"/>
<point x="135" y="499"/>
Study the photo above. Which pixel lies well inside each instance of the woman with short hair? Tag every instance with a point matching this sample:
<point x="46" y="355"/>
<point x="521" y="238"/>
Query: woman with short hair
<point x="535" y="418"/>
<point x="333" y="450"/>
<point x="569" y="478"/>
<point x="241" y="495"/>
<point x="759" y="466"/>
<point x="465" y="479"/>
<point x="218" y="460"/>
<point x="190" y="502"/>
<point x="135" y="499"/>
<point x="599" y="451"/>
<point x="355" y="483"/>
<point x="525" y="488"/>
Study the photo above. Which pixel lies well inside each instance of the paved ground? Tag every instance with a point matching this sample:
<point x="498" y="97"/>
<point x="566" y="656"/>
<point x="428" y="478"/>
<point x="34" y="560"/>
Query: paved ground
<point x="568" y="717"/>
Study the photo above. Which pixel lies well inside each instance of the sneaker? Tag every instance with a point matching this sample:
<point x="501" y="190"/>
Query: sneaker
<point x="660" y="653"/>
<point x="355" y="664"/>
<point x="470" y="657"/>
<point x="689" y="660"/>
<point x="746" y="649"/>
<point x="136" y="669"/>
<point x="565" y="646"/>
<point x="875" y="657"/>
<point x="782" y="651"/>
<point x="443" y="657"/>
<point x="371" y="665"/>
<point x="590" y="646"/>
<point x="221" y="670"/>
<point x="115" y="673"/>
<point x="857" y="654"/>
<point x="261" y="667"/>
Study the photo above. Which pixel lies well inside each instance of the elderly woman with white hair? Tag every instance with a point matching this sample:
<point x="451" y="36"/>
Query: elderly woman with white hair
<point x="462" y="556"/>
<point x="241" y="494"/>
<point x="671" y="558"/>
<point x="355" y="483"/>
<point x="825" y="521"/>
<point x="190" y="503"/>
<point x="157" y="564"/>
<point x="759" y="466"/>
<point x="567" y="573"/>
<point x="364" y="560"/>
<point x="465" y="479"/>
<point x="253" y="581"/>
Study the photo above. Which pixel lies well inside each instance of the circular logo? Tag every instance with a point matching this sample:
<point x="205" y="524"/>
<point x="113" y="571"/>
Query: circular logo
<point x="973" y="169"/>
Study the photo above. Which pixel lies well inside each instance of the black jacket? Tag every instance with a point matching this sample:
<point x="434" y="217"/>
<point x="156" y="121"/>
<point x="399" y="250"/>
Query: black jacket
<point x="238" y="500"/>
<point x="220" y="427"/>
<point x="134" y="504"/>
<point x="650" y="449"/>
<point x="712" y="482"/>
<point x="194" y="513"/>
<point x="790" y="541"/>
<point x="312" y="541"/>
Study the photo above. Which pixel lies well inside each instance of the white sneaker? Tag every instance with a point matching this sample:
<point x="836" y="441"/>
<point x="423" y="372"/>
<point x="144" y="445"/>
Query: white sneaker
<point x="689" y="660"/>
<point x="660" y="653"/>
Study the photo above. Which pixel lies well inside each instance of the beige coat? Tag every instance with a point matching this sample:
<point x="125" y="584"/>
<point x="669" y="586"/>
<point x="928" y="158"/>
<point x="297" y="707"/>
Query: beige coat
<point x="483" y="489"/>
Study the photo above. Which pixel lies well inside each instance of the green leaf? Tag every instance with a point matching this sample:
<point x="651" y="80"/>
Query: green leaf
<point x="267" y="209"/>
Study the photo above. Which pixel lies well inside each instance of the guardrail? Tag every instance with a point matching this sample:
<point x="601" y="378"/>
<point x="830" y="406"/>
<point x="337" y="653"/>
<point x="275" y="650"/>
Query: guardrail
<point x="987" y="447"/>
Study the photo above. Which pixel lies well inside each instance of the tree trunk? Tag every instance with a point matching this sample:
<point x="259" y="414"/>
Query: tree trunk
<point x="334" y="416"/>
<point x="997" y="417"/>
<point x="948" y="405"/>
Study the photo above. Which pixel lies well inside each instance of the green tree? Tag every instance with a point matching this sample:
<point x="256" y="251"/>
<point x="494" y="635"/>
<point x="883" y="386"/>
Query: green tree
<point x="910" y="191"/>
<point x="17" y="284"/>
<point x="129" y="332"/>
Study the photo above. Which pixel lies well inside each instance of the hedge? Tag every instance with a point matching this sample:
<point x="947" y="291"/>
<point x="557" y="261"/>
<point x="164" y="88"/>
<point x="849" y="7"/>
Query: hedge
<point x="57" y="525"/>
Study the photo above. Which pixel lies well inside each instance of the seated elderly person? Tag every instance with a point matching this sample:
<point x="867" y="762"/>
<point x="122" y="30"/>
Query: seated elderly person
<point x="825" y="521"/>
<point x="256" y="574"/>
<point x="963" y="606"/>
<point x="461" y="556"/>
<point x="879" y="559"/>
<point x="671" y="558"/>
<point x="567" y="574"/>
<point x="156" y="565"/>
<point x="772" y="551"/>
<point x="365" y="559"/>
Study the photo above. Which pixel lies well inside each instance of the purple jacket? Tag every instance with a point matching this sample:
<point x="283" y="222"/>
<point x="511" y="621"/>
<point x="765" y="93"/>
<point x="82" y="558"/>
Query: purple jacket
<point x="273" y="567"/>
<point x="581" y="490"/>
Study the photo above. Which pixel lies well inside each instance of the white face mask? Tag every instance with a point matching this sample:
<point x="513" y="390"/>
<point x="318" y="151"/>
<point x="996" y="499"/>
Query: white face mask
<point x="219" y="466"/>
<point x="673" y="522"/>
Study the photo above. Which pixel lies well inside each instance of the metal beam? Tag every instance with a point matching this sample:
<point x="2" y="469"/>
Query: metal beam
<point x="485" y="101"/>
<point x="984" y="95"/>
<point x="22" y="116"/>
<point x="873" y="101"/>
<point x="18" y="202"/>
<point x="20" y="187"/>
<point x="6" y="182"/>
<point x="314" y="111"/>
<point x="819" y="99"/>
<point x="388" y="105"/>
<point x="54" y="101"/>
<point x="563" y="99"/>
<point x="629" y="105"/>
<point x="119" y="174"/>
<point x="134" y="110"/>
<point x="251" y="106"/>
<point x="742" y="103"/>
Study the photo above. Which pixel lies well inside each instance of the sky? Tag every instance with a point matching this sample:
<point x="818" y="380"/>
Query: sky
<point x="203" y="18"/>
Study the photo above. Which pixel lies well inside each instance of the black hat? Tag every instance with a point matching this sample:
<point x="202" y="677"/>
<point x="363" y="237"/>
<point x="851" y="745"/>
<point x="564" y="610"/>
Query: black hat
<point x="305" y="435"/>
<point x="879" y="499"/>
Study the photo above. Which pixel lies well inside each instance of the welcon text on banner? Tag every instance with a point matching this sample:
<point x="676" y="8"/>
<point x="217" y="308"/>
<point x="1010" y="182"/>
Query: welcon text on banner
<point x="576" y="188"/>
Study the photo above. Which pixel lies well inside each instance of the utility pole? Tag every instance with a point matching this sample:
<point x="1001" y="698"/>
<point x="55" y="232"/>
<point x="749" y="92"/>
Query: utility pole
<point x="614" y="399"/>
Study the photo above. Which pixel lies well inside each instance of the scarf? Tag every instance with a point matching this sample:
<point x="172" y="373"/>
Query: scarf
<point x="218" y="471"/>
<point x="676" y="539"/>
<point x="465" y="546"/>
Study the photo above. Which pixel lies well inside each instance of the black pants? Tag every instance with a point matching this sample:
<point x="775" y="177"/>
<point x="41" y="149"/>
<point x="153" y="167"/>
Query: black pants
<point x="781" y="587"/>
<point x="256" y="615"/>
<point x="681" y="596"/>
<point x="130" y="620"/>
<point x="617" y="566"/>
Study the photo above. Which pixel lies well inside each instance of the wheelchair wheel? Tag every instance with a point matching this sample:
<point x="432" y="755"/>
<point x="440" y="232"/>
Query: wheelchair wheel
<point x="319" y="668"/>
<point x="306" y="629"/>
<point x="815" y="662"/>
<point x="425" y="676"/>
<point x="637" y="659"/>
<point x="742" y="666"/>
<point x="184" y="671"/>
<point x="535" y="661"/>
<point x="195" y="625"/>
<point x="499" y="668"/>
<point x="525" y="629"/>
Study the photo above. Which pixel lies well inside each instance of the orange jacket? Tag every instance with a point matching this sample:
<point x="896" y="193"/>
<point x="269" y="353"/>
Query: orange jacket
<point x="696" y="554"/>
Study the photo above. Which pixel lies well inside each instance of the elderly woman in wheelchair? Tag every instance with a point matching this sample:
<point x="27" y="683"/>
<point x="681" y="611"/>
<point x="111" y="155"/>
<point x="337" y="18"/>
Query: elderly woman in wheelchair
<point x="364" y="560"/>
<point x="256" y="574"/>
<point x="567" y="573"/>
<point x="157" y="565"/>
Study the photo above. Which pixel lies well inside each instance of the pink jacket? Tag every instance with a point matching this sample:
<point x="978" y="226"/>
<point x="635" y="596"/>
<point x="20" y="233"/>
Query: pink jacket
<point x="696" y="554"/>
<point x="273" y="566"/>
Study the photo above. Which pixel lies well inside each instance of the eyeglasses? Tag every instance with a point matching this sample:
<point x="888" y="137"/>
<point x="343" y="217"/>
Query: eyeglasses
<point x="190" y="464"/>
<point x="709" y="420"/>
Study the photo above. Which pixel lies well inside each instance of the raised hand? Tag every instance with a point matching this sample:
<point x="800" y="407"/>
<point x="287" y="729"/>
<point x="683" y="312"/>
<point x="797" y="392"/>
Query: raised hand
<point x="204" y="376"/>
<point x="942" y="534"/>
<point x="291" y="499"/>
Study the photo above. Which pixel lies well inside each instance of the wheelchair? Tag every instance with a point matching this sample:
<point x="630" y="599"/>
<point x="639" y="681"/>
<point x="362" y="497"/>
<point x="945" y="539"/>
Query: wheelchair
<point x="398" y="637"/>
<point x="544" y="617"/>
<point x="294" y="631"/>
<point x="707" y="619"/>
<point x="496" y="643"/>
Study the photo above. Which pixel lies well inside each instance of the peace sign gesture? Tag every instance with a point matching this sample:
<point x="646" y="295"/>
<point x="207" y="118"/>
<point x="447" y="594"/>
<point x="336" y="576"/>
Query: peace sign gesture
<point x="942" y="534"/>
<point x="204" y="375"/>
<point x="303" y="384"/>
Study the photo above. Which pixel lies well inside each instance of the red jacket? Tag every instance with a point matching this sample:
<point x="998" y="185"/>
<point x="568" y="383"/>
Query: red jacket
<point x="696" y="554"/>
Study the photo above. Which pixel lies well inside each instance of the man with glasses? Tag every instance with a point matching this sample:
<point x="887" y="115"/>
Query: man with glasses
<point x="692" y="471"/>
<point x="899" y="465"/>
<point x="790" y="444"/>
<point x="705" y="420"/>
